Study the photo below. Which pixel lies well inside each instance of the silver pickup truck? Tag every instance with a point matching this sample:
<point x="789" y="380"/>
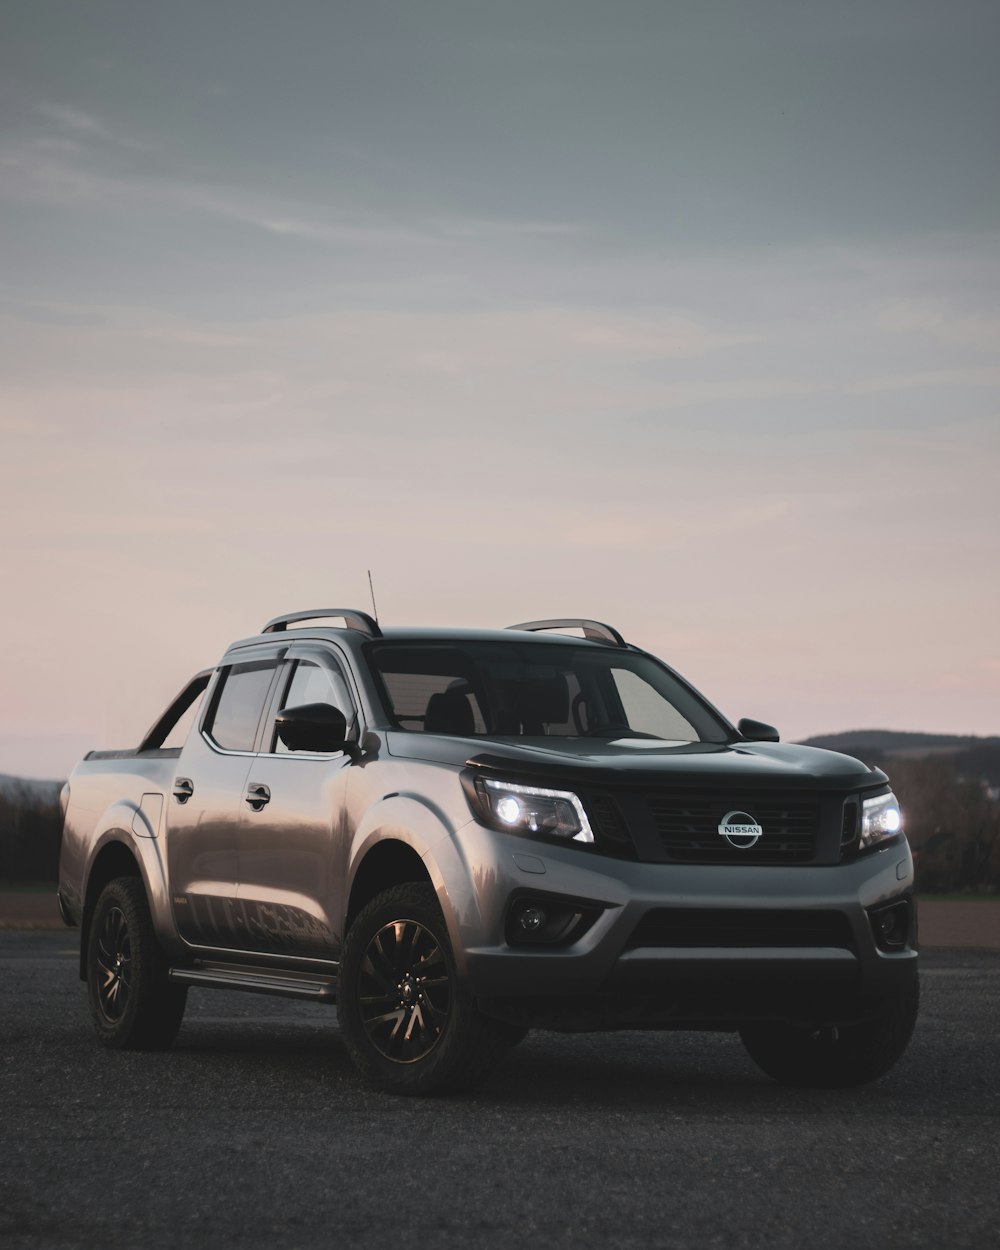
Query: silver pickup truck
<point x="459" y="835"/>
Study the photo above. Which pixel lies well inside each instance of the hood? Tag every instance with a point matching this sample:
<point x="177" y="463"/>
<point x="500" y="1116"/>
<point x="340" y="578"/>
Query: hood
<point x="644" y="761"/>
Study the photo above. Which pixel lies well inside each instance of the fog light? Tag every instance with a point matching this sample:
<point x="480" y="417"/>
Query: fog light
<point x="531" y="919"/>
<point x="891" y="925"/>
<point x="534" y="920"/>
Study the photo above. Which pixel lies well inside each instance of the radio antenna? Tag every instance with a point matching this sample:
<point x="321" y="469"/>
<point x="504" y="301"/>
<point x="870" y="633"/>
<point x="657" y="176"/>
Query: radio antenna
<point x="372" y="589"/>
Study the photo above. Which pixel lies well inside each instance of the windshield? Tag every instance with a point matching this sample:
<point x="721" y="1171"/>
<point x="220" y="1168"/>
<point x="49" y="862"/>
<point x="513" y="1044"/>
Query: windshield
<point x="538" y="690"/>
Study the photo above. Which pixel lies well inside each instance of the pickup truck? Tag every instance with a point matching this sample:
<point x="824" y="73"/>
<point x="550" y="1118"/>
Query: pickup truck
<point x="459" y="835"/>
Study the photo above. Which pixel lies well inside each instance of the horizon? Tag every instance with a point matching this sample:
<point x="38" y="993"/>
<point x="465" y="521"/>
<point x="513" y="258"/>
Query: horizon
<point x="59" y="779"/>
<point x="684" y="318"/>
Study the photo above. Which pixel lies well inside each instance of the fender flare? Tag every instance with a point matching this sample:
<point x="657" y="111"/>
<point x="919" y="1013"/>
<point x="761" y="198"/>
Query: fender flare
<point x="117" y="825"/>
<point x="423" y="827"/>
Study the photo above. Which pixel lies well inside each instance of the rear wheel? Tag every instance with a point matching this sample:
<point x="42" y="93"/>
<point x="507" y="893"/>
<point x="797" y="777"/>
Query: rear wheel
<point x="132" y="1002"/>
<point x="834" y="1056"/>
<point x="408" y="1022"/>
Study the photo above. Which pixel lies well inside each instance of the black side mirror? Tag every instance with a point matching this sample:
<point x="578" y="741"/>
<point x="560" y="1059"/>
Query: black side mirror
<point x="757" y="731"/>
<point x="313" y="727"/>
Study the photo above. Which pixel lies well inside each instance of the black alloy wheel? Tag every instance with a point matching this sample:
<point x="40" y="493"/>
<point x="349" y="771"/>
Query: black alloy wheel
<point x="114" y="962"/>
<point x="404" y="991"/>
<point x="133" y="1003"/>
<point x="406" y="1017"/>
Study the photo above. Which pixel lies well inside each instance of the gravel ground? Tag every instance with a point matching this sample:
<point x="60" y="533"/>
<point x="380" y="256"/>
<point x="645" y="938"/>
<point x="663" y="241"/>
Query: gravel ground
<point x="254" y="1131"/>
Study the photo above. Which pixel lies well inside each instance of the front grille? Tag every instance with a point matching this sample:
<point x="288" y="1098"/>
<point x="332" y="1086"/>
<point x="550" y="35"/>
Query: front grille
<point x="688" y="827"/>
<point x="741" y="927"/>
<point x="607" y="822"/>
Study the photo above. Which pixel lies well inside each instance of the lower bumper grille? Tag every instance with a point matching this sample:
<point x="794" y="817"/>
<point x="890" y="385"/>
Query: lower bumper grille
<point x="741" y="927"/>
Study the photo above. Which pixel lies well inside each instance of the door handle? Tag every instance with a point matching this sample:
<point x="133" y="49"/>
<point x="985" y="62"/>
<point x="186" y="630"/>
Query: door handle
<point x="257" y="796"/>
<point x="183" y="789"/>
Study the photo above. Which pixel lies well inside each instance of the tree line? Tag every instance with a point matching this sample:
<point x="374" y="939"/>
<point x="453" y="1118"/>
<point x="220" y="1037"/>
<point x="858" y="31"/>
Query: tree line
<point x="30" y="835"/>
<point x="951" y="821"/>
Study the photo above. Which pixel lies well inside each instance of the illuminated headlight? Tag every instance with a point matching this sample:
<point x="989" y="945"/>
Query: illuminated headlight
<point x="880" y="819"/>
<point x="533" y="810"/>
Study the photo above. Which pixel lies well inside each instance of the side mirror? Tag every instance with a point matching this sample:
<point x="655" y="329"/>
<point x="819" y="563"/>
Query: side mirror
<point x="757" y="731"/>
<point x="313" y="727"/>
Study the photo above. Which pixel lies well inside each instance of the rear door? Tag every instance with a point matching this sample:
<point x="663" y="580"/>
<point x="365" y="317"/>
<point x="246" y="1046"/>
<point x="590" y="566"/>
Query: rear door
<point x="208" y="793"/>
<point x="293" y="822"/>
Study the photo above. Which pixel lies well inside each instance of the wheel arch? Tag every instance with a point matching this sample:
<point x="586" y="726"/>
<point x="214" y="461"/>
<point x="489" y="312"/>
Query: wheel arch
<point x="387" y="863"/>
<point x="114" y="859"/>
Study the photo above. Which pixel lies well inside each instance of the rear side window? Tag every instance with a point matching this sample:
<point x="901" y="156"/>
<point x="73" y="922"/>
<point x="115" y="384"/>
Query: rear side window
<point x="238" y="704"/>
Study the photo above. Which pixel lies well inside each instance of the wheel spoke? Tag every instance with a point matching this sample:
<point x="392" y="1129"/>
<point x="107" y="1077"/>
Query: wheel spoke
<point x="396" y="1016"/>
<point x="114" y="963"/>
<point x="387" y="964"/>
<point x="385" y="981"/>
<point x="371" y="999"/>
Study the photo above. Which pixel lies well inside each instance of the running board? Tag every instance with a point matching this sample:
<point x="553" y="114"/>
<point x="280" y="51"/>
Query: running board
<point x="314" y="987"/>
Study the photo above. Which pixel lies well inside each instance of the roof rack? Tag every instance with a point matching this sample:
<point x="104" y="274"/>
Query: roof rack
<point x="596" y="631"/>
<point x="352" y="618"/>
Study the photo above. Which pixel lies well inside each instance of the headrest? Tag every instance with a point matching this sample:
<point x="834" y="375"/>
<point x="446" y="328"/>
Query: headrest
<point x="449" y="712"/>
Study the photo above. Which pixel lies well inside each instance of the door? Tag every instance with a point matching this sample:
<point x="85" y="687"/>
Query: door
<point x="203" y="810"/>
<point x="293" y="832"/>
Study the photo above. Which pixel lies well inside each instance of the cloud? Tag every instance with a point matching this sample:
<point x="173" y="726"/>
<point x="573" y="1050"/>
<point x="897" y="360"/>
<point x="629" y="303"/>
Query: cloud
<point x="75" y="121"/>
<point x="66" y="165"/>
<point x="940" y="321"/>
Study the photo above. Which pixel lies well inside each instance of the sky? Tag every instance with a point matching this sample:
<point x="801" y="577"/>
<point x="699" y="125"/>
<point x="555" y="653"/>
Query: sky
<point x="680" y="316"/>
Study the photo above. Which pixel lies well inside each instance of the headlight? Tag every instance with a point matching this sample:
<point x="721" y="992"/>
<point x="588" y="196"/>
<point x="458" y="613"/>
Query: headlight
<point x="880" y="819"/>
<point x="532" y="810"/>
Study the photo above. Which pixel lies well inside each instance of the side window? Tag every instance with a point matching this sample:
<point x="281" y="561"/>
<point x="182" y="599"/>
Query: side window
<point x="238" y="704"/>
<point x="178" y="735"/>
<point x="314" y="683"/>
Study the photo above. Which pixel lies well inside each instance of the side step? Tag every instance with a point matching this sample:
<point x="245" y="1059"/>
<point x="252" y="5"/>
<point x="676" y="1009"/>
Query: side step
<point x="313" y="986"/>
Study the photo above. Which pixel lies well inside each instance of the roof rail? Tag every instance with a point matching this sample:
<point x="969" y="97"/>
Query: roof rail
<point x="597" y="631"/>
<point x="352" y="618"/>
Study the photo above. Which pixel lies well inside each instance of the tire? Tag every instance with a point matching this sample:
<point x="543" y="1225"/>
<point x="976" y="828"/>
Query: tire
<point x="408" y="1022"/>
<point x="835" y="1056"/>
<point x="132" y="1003"/>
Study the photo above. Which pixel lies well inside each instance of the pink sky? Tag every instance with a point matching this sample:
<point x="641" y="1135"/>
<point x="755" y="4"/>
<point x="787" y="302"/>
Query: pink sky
<point x="722" y="374"/>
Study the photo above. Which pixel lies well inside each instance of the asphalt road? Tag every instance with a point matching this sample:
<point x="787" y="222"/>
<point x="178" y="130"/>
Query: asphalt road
<point x="254" y="1131"/>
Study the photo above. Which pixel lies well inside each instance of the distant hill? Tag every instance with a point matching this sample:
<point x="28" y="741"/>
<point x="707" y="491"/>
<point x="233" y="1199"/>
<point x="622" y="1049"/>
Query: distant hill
<point x="969" y="756"/>
<point x="892" y="740"/>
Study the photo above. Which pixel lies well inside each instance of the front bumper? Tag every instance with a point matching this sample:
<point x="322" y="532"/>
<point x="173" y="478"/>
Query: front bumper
<point x="791" y="941"/>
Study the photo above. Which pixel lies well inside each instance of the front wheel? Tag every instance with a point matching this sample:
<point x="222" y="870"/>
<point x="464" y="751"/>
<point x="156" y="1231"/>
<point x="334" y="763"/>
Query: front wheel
<point x="133" y="1004"/>
<point x="408" y="1022"/>
<point x="835" y="1056"/>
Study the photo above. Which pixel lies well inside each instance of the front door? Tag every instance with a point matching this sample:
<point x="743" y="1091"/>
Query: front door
<point x="292" y="825"/>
